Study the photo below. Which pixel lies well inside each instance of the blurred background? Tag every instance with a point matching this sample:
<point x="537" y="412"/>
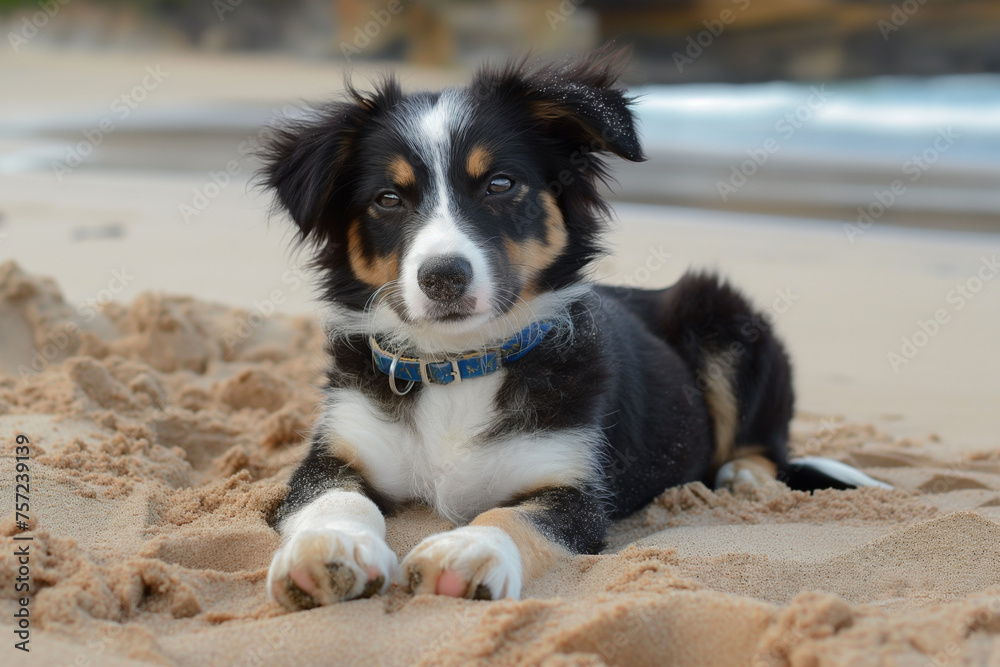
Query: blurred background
<point x="844" y="153"/>
<point x="893" y="75"/>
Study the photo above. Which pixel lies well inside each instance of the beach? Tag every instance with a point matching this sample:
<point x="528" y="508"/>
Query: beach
<point x="162" y="371"/>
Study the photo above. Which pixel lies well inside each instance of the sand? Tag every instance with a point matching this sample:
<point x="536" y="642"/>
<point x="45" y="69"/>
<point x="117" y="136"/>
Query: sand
<point x="161" y="435"/>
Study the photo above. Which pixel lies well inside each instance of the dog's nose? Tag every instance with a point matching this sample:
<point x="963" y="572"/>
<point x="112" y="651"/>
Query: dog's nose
<point x="444" y="278"/>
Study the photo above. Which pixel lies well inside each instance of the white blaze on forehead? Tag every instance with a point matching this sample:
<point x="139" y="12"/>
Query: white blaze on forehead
<point x="431" y="131"/>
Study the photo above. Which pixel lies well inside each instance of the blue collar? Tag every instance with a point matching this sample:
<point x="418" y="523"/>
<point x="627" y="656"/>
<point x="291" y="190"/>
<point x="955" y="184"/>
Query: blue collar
<point x="464" y="367"/>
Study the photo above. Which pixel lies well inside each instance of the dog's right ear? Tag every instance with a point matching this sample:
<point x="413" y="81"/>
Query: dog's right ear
<point x="307" y="160"/>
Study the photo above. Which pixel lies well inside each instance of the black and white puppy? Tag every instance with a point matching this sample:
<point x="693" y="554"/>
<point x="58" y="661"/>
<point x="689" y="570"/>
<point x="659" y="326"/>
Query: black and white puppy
<point x="473" y="368"/>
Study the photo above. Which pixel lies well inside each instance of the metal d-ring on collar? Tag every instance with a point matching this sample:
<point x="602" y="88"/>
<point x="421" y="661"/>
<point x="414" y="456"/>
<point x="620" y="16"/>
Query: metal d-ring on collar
<point x="392" y="377"/>
<point x="423" y="375"/>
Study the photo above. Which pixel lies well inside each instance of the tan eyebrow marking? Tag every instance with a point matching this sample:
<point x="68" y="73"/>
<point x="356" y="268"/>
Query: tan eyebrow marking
<point x="402" y="172"/>
<point x="478" y="162"/>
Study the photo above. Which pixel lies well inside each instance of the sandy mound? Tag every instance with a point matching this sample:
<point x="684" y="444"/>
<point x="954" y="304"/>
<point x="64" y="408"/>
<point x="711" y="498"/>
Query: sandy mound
<point x="161" y="433"/>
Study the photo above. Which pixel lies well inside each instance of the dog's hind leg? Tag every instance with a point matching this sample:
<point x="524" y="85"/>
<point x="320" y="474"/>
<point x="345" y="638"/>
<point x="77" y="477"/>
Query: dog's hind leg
<point x="745" y="378"/>
<point x="742" y="374"/>
<point x="749" y="468"/>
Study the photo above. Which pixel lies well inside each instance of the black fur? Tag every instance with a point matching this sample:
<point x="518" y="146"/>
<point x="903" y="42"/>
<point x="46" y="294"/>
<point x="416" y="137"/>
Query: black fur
<point x="702" y="315"/>
<point x="309" y="166"/>
<point x="321" y="471"/>
<point x="572" y="518"/>
<point x="632" y="367"/>
<point x="595" y="119"/>
<point x="351" y="366"/>
<point x="325" y="169"/>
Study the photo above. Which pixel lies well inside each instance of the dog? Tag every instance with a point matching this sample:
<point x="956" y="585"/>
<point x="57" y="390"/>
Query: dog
<point x="474" y="368"/>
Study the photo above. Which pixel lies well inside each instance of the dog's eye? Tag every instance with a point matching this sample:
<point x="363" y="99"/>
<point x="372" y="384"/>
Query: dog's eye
<point x="499" y="184"/>
<point x="388" y="200"/>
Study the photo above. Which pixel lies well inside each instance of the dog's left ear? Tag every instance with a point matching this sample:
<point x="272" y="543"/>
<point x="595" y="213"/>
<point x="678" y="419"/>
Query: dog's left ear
<point x="579" y="102"/>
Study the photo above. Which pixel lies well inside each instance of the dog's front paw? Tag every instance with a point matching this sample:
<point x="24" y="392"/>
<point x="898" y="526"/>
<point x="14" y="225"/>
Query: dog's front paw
<point x="477" y="562"/>
<point x="328" y="565"/>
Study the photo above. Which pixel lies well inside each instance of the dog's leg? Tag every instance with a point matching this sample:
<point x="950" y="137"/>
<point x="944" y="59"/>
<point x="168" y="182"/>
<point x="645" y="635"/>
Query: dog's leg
<point x="333" y="545"/>
<point x="743" y="373"/>
<point x="751" y="467"/>
<point x="504" y="548"/>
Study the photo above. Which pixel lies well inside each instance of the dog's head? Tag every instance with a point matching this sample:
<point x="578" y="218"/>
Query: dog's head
<point x="453" y="210"/>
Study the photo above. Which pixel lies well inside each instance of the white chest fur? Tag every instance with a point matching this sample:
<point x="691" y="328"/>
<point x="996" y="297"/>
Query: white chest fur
<point x="441" y="460"/>
<point x="436" y="459"/>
